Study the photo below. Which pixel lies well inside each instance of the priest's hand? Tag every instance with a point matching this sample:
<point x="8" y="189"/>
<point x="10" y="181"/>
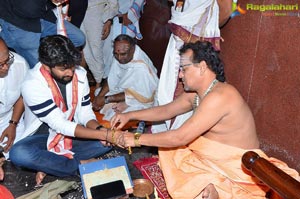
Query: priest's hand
<point x="119" y="120"/>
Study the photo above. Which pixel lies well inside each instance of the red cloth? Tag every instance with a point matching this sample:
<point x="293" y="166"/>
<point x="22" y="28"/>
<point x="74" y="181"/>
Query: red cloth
<point x="150" y="170"/>
<point x="5" y="193"/>
<point x="60" y="103"/>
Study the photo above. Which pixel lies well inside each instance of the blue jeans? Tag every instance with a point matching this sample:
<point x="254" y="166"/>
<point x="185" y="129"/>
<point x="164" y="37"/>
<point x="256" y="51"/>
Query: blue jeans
<point x="31" y="153"/>
<point x="26" y="43"/>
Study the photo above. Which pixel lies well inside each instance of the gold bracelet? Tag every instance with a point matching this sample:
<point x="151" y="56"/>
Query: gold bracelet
<point x="136" y="139"/>
<point x="129" y="150"/>
<point x="113" y="136"/>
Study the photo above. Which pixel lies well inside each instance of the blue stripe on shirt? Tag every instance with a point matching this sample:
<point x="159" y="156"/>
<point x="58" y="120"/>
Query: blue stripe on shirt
<point x="45" y="113"/>
<point x="85" y="100"/>
<point x="86" y="97"/>
<point x="41" y="106"/>
<point x="86" y="103"/>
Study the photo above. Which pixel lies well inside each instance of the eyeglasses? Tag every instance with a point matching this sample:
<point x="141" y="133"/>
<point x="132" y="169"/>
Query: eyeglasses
<point x="8" y="61"/>
<point x="182" y="67"/>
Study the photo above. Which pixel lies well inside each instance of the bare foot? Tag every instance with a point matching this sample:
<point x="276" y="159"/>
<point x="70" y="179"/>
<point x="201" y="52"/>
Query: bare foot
<point x="2" y="160"/>
<point x="210" y="192"/>
<point x="1" y="173"/>
<point x="39" y="177"/>
<point x="89" y="160"/>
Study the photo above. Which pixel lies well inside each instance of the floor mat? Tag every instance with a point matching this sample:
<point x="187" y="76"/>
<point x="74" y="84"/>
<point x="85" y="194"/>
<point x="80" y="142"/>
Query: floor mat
<point x="150" y="170"/>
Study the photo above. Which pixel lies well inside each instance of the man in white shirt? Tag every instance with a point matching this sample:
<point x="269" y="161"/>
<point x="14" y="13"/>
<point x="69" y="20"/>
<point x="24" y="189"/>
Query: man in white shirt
<point x="13" y="69"/>
<point x="61" y="130"/>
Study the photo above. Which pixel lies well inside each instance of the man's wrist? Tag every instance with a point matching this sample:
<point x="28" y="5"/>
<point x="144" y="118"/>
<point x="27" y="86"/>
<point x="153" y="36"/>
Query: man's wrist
<point x="111" y="21"/>
<point x="99" y="127"/>
<point x="13" y="122"/>
<point x="137" y="139"/>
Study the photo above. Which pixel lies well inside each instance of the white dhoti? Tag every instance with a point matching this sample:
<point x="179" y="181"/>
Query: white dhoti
<point x="137" y="79"/>
<point x="200" y="20"/>
<point x="98" y="12"/>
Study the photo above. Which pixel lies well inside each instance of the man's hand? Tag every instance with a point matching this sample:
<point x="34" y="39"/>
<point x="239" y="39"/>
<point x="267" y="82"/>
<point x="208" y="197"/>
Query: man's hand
<point x="10" y="134"/>
<point x="120" y="107"/>
<point x="119" y="120"/>
<point x="126" y="140"/>
<point x="126" y="21"/>
<point x="106" y="29"/>
<point x="98" y="103"/>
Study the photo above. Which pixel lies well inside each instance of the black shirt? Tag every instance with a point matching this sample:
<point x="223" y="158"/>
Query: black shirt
<point x="44" y="128"/>
<point x="27" y="14"/>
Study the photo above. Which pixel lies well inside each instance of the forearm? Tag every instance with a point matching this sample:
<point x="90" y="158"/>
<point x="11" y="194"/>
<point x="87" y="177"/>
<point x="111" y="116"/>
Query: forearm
<point x="166" y="139"/>
<point x="98" y="134"/>
<point x="164" y="112"/>
<point x="18" y="110"/>
<point x="154" y="114"/>
<point x="93" y="124"/>
<point x="104" y="89"/>
<point x="89" y="133"/>
<point x="120" y="97"/>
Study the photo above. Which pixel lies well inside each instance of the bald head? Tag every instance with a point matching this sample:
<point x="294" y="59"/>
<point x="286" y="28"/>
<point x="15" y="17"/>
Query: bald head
<point x="3" y="50"/>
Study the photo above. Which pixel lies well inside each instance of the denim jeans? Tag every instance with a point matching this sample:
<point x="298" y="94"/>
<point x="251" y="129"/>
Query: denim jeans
<point x="31" y="153"/>
<point x="26" y="43"/>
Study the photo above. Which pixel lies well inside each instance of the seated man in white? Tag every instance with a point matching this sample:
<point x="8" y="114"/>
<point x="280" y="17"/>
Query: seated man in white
<point x="13" y="69"/>
<point x="132" y="80"/>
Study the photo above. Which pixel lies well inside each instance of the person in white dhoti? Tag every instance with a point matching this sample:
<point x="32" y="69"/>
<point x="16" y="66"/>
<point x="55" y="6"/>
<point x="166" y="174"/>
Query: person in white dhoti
<point x="13" y="68"/>
<point x="125" y="22"/>
<point x="195" y="20"/>
<point x="96" y="26"/>
<point x="132" y="81"/>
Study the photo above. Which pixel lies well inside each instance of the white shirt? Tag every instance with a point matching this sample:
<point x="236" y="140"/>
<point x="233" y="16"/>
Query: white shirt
<point x="10" y="91"/>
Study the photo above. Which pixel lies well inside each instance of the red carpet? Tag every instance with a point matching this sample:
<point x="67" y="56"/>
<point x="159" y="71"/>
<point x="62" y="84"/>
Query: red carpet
<point x="150" y="170"/>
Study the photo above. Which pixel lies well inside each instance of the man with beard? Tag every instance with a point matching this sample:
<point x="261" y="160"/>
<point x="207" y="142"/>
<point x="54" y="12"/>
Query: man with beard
<point x="13" y="69"/>
<point x="61" y="130"/>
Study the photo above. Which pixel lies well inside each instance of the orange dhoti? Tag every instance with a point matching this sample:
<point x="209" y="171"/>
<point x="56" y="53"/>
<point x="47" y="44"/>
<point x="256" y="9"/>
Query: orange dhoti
<point x="188" y="170"/>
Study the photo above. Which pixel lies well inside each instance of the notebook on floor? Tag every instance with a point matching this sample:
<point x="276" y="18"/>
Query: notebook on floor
<point x="103" y="172"/>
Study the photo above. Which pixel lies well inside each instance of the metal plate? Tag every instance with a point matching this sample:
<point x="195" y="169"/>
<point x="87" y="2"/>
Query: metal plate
<point x="142" y="188"/>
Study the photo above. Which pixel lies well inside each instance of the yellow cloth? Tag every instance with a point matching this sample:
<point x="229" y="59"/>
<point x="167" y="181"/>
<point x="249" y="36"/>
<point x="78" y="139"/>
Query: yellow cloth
<point x="188" y="170"/>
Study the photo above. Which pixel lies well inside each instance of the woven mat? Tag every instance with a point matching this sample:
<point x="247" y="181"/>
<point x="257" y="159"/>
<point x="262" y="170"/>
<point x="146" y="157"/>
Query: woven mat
<point x="150" y="170"/>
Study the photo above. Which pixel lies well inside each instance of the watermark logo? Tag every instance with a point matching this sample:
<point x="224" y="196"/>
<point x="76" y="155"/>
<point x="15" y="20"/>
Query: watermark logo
<point x="274" y="9"/>
<point x="236" y="9"/>
<point x="266" y="9"/>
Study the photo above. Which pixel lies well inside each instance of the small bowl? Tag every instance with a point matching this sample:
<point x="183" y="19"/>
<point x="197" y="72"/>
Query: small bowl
<point x="142" y="188"/>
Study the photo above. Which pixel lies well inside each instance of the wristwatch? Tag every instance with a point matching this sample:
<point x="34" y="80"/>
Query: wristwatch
<point x="99" y="127"/>
<point x="136" y="139"/>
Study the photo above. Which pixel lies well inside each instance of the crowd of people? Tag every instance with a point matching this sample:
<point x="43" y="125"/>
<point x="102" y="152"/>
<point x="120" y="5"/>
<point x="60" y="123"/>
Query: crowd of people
<point x="47" y="120"/>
